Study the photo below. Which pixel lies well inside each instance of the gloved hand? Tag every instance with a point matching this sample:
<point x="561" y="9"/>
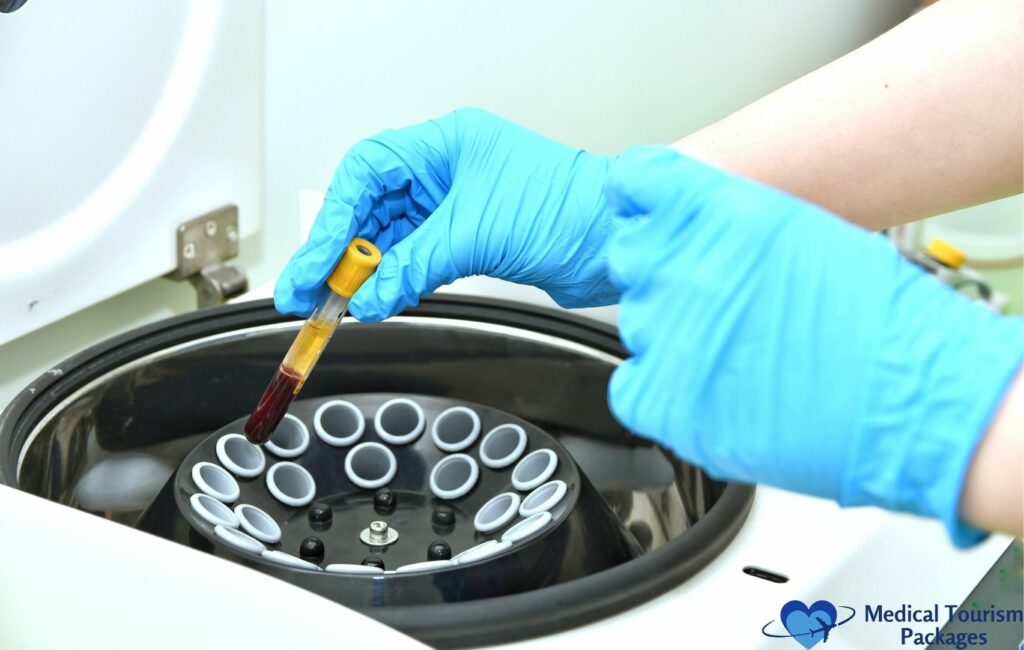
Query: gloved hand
<point x="466" y="194"/>
<point x="777" y="343"/>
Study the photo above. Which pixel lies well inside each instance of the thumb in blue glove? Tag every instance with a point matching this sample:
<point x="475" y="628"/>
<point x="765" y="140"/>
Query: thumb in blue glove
<point x="777" y="343"/>
<point x="466" y="194"/>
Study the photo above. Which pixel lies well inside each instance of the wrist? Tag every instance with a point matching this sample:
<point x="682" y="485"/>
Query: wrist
<point x="993" y="494"/>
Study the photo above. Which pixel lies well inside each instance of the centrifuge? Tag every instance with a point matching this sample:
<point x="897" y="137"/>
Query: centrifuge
<point x="452" y="425"/>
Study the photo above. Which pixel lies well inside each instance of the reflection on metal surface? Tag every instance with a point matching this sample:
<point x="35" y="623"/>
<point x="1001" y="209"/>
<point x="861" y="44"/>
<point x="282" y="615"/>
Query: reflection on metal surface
<point x="121" y="482"/>
<point x="556" y="383"/>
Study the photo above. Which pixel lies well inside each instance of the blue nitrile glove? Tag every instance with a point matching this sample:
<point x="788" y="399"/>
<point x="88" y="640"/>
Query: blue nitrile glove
<point x="466" y="194"/>
<point x="777" y="343"/>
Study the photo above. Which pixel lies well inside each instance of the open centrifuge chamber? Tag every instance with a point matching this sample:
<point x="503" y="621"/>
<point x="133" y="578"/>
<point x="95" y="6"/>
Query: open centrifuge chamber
<point x="476" y="430"/>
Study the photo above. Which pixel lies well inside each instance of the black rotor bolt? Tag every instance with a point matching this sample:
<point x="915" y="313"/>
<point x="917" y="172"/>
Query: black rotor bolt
<point x="443" y="516"/>
<point x="311" y="548"/>
<point x="320" y="513"/>
<point x="384" y="501"/>
<point x="373" y="561"/>
<point x="439" y="550"/>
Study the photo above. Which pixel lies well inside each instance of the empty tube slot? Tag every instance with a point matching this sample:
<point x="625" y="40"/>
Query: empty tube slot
<point x="258" y="523"/>
<point x="240" y="456"/>
<point x="543" y="498"/>
<point x="290" y="438"/>
<point x="213" y="511"/>
<point x="430" y="565"/>
<point x="280" y="557"/>
<point x="455" y="429"/>
<point x="481" y="551"/>
<point x="370" y="465"/>
<point x="502" y="446"/>
<point x="535" y="468"/>
<point x="238" y="539"/>
<point x="526" y="527"/>
<point x="497" y="512"/>
<point x="454" y="476"/>
<point x="399" y="421"/>
<point x="215" y="481"/>
<point x="290" y="484"/>
<point x="352" y="568"/>
<point x="339" y="423"/>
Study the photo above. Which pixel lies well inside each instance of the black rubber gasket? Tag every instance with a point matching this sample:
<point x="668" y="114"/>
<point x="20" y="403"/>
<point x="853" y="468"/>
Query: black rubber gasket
<point x="9" y="6"/>
<point x="502" y="619"/>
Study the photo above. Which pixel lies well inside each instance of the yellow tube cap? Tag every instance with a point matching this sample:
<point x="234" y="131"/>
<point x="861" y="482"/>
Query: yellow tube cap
<point x="945" y="253"/>
<point x="358" y="263"/>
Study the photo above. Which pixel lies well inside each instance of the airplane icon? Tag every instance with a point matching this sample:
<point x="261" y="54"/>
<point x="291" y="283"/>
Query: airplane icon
<point x="825" y="628"/>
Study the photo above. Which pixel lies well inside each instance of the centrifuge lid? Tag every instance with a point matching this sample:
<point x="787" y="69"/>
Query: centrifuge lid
<point x="104" y="155"/>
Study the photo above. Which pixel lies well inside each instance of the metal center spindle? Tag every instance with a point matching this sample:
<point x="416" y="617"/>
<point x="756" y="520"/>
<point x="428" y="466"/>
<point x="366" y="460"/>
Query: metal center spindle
<point x="378" y="534"/>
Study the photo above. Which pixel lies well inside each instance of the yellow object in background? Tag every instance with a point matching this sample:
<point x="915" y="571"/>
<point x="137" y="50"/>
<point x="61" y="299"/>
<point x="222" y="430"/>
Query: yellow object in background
<point x="946" y="253"/>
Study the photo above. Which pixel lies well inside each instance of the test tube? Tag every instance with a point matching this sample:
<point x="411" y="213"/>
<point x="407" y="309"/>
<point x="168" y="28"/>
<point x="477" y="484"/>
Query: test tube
<point x="357" y="264"/>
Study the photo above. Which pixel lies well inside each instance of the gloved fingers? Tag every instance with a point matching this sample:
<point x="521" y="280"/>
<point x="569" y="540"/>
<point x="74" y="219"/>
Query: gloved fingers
<point x="663" y="191"/>
<point x="658" y="406"/>
<point x="382" y="190"/>
<point x="642" y="401"/>
<point x="385" y="185"/>
<point x="398" y="172"/>
<point x="415" y="266"/>
<point x="294" y="292"/>
<point x="289" y="300"/>
<point x="625" y="394"/>
<point x="636" y="331"/>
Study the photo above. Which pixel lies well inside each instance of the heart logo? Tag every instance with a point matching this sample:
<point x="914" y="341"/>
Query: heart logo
<point x="808" y="625"/>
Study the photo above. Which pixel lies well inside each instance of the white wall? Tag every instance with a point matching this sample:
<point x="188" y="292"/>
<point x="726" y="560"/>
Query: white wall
<point x="602" y="75"/>
<point x="598" y="74"/>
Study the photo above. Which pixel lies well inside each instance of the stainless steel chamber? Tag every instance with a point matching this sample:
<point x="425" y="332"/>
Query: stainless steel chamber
<point x="104" y="431"/>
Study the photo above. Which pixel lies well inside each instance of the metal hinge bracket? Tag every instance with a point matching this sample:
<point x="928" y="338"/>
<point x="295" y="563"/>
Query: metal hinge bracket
<point x="203" y="245"/>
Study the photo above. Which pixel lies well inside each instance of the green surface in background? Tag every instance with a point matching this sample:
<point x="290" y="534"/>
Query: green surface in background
<point x="1011" y="282"/>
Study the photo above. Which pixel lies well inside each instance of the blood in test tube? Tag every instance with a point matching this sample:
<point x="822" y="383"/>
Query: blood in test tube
<point x="272" y="407"/>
